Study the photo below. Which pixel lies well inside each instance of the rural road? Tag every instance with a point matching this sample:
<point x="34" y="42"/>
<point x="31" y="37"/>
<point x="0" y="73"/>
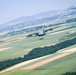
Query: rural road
<point x="67" y="52"/>
<point x="50" y="59"/>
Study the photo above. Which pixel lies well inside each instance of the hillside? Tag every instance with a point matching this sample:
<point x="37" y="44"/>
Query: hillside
<point x="63" y="15"/>
<point x="24" y="52"/>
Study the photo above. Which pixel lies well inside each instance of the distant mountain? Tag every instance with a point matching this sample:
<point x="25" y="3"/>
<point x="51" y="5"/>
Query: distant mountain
<point x="23" y="22"/>
<point x="71" y="8"/>
<point x="27" y="19"/>
<point x="70" y="11"/>
<point x="30" y="23"/>
<point x="37" y="16"/>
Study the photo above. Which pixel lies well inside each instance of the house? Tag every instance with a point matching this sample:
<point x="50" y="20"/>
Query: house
<point x="41" y="33"/>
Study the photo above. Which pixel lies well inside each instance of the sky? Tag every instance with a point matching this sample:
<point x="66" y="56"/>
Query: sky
<point x="12" y="9"/>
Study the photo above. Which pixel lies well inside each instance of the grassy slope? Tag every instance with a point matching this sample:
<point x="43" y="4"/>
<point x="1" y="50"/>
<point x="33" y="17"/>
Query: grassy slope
<point x="47" y="57"/>
<point x="21" y="45"/>
<point x="56" y="67"/>
<point x="61" y="66"/>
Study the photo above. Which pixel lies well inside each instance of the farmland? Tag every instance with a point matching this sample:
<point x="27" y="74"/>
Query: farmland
<point x="56" y="67"/>
<point x="38" y="37"/>
<point x="19" y="45"/>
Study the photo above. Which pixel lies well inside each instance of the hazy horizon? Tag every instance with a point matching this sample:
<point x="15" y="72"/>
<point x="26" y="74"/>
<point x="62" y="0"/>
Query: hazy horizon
<point x="12" y="9"/>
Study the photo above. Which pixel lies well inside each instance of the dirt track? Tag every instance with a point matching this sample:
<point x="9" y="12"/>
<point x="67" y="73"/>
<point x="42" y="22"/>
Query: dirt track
<point x="65" y="53"/>
<point x="2" y="45"/>
<point x="70" y="51"/>
<point x="23" y="63"/>
<point x="2" y="49"/>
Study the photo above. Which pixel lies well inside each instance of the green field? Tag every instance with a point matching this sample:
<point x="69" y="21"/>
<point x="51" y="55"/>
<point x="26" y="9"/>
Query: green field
<point x="47" y="57"/>
<point x="60" y="66"/>
<point x="57" y="67"/>
<point x="21" y="45"/>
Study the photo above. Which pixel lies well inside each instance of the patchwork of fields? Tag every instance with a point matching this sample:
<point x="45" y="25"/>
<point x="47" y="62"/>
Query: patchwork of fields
<point x="56" y="67"/>
<point x="19" y="45"/>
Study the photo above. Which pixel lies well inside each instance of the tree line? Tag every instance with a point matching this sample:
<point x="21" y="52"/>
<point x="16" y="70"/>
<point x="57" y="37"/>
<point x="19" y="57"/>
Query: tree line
<point x="37" y="52"/>
<point x="70" y="73"/>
